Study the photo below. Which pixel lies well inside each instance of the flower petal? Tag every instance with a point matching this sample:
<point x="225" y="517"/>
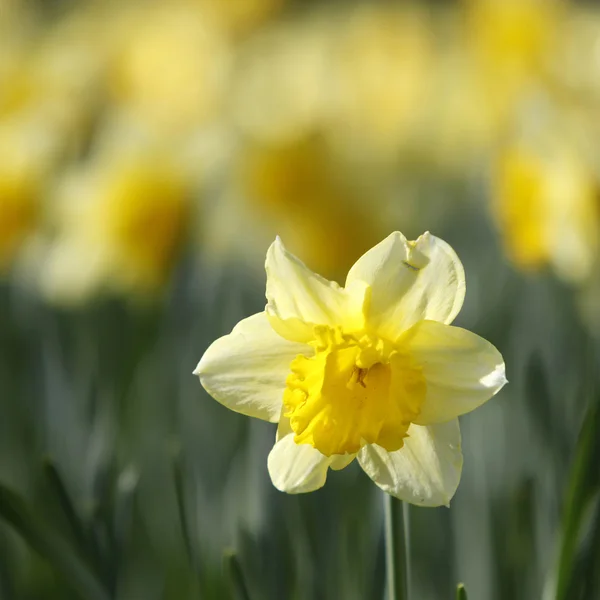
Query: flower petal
<point x="410" y="281"/>
<point x="246" y="370"/>
<point x="296" y="468"/>
<point x="295" y="293"/>
<point x="461" y="370"/>
<point x="341" y="461"/>
<point x="425" y="471"/>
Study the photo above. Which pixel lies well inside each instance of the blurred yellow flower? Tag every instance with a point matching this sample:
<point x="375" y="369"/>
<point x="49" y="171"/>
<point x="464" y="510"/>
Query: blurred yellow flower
<point x="458" y="123"/>
<point x="240" y="16"/>
<point x="299" y="190"/>
<point x="383" y="60"/>
<point x="579" y="36"/>
<point x="19" y="212"/>
<point x="510" y="43"/>
<point x="371" y="371"/>
<point x="514" y="35"/>
<point x="55" y="77"/>
<point x="27" y="156"/>
<point x="280" y="88"/>
<point x="545" y="201"/>
<point x="171" y="67"/>
<point x="123" y="225"/>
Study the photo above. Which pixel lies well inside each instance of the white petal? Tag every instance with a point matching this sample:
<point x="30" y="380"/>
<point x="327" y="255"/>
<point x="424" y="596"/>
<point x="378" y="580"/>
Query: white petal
<point x="295" y="293"/>
<point x="297" y="468"/>
<point x="461" y="370"/>
<point x="410" y="281"/>
<point x="425" y="471"/>
<point x="246" y="370"/>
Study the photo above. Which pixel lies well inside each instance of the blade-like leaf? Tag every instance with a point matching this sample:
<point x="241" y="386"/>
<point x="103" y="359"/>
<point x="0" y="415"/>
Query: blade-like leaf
<point x="178" y="478"/>
<point x="15" y="511"/>
<point x="233" y="571"/>
<point x="579" y="493"/>
<point x="64" y="499"/>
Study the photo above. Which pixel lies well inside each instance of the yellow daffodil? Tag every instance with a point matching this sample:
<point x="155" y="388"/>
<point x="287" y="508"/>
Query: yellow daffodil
<point x="171" y="68"/>
<point x="19" y="213"/>
<point x="299" y="189"/>
<point x="545" y="202"/>
<point x="123" y="225"/>
<point x="513" y="35"/>
<point x="510" y="44"/>
<point x="579" y="37"/>
<point x="384" y="58"/>
<point x="28" y="154"/>
<point x="240" y="17"/>
<point x="371" y="371"/>
<point x="281" y="85"/>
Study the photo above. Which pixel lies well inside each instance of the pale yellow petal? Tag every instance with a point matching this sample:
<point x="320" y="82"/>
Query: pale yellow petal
<point x="296" y="294"/>
<point x="246" y="370"/>
<point x="341" y="461"/>
<point x="425" y="471"/>
<point x="283" y="427"/>
<point x="294" y="478"/>
<point x="296" y="468"/>
<point x="294" y="329"/>
<point x="410" y="281"/>
<point x="461" y="370"/>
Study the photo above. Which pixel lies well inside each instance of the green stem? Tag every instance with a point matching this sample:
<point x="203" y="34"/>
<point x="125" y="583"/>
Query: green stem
<point x="397" y="553"/>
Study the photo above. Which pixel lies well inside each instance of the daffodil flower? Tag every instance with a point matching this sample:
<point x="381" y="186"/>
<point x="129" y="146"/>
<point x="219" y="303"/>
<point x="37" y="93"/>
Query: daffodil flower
<point x="371" y="371"/>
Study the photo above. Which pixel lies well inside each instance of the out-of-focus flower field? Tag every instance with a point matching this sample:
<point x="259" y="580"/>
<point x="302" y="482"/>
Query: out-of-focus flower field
<point x="149" y="154"/>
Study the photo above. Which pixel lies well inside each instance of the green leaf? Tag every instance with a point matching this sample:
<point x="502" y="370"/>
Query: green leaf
<point x="591" y="576"/>
<point x="15" y="511"/>
<point x="127" y="484"/>
<point x="461" y="592"/>
<point x="579" y="493"/>
<point x="178" y="478"/>
<point x="233" y="571"/>
<point x="58" y="487"/>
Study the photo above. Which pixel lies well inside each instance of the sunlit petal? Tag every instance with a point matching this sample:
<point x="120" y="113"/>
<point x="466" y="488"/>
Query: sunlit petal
<point x="410" y="281"/>
<point x="246" y="370"/>
<point x="295" y="293"/>
<point x="297" y="468"/>
<point x="425" y="471"/>
<point x="461" y="370"/>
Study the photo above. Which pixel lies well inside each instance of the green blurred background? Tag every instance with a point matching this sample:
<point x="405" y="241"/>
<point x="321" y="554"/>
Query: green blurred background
<point x="151" y="151"/>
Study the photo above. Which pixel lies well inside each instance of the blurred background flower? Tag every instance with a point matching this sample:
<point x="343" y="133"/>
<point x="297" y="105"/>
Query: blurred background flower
<point x="149" y="154"/>
<point x="169" y="65"/>
<point x="546" y="198"/>
<point x="123" y="220"/>
<point x="23" y="169"/>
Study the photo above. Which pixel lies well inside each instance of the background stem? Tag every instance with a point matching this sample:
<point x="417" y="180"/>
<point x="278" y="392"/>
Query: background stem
<point x="396" y="548"/>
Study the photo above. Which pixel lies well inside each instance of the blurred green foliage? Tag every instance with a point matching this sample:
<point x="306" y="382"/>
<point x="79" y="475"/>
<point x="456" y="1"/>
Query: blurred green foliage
<point x="121" y="478"/>
<point x="149" y="481"/>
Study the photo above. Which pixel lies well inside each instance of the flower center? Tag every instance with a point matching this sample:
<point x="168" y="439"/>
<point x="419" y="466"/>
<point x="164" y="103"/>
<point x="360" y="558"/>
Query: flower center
<point x="355" y="390"/>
